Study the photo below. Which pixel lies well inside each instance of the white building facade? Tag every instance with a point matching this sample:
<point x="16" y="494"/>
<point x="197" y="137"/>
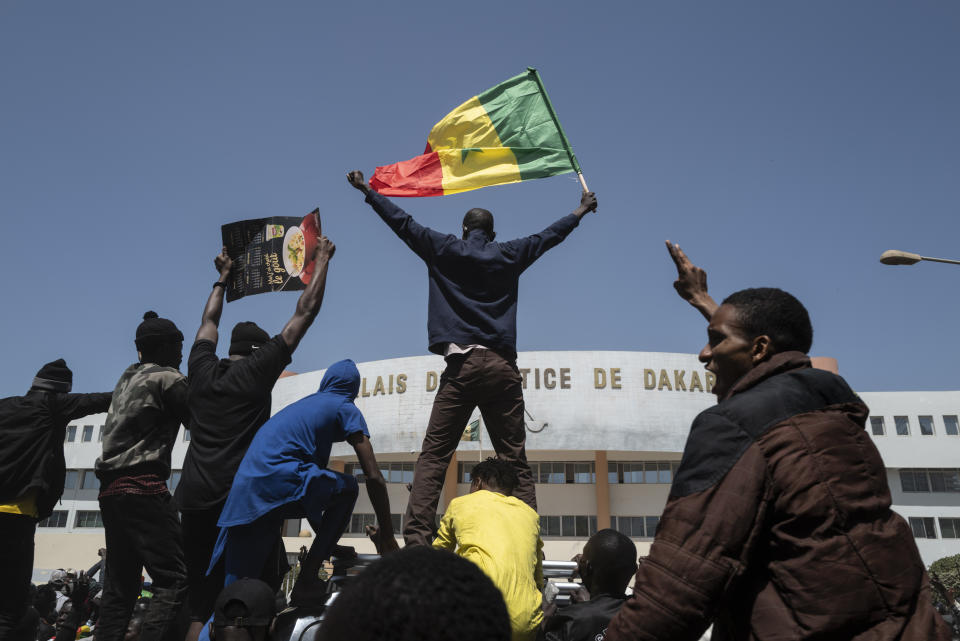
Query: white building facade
<point x="605" y="434"/>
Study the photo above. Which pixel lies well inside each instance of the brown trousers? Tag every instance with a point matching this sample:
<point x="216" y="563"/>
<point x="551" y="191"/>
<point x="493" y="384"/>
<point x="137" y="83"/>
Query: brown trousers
<point x="481" y="378"/>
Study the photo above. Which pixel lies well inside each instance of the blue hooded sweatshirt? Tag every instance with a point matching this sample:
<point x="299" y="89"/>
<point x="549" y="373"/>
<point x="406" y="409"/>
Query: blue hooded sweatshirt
<point x="293" y="447"/>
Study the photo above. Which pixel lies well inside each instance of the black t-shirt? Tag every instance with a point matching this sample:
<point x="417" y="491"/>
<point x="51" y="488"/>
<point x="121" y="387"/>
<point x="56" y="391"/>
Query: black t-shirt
<point x="229" y="401"/>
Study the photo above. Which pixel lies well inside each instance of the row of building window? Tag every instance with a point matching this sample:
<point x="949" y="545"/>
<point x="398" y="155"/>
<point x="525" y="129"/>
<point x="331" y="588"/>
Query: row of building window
<point x="930" y="480"/>
<point x="660" y="472"/>
<point x="923" y="527"/>
<point x="359" y="522"/>
<point x="82" y="518"/>
<point x="878" y="427"/>
<point x="86" y="436"/>
<point x="902" y="425"/>
<point x="576" y="526"/>
<point x="392" y="472"/>
<point x="554" y="472"/>
<point x="583" y="526"/>
<point x="651" y="472"/>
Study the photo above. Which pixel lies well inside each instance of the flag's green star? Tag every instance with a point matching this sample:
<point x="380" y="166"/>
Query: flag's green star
<point x="467" y="150"/>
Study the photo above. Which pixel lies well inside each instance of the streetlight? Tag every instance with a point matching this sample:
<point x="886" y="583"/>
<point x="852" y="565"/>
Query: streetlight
<point x="897" y="257"/>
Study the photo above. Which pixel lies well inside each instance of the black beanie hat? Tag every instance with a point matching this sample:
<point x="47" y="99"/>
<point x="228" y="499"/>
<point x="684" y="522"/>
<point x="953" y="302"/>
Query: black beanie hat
<point x="154" y="330"/>
<point x="246" y="336"/>
<point x="55" y="377"/>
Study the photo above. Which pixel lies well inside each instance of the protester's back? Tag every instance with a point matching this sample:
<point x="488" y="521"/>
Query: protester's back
<point x="501" y="535"/>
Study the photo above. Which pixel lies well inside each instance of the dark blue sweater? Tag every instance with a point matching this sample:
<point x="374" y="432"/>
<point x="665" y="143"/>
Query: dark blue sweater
<point x="473" y="282"/>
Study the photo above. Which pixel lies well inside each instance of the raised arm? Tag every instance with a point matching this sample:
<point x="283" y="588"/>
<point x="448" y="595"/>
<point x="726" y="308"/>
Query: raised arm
<point x="530" y="248"/>
<point x="74" y="406"/>
<point x="210" y="320"/>
<point x="424" y="241"/>
<point x="309" y="302"/>
<point x="376" y="490"/>
<point x="691" y="282"/>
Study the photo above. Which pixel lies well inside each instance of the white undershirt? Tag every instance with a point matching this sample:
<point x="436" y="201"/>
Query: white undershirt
<point x="453" y="348"/>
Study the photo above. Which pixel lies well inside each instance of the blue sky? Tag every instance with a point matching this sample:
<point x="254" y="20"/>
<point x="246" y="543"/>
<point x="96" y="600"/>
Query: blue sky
<point x="782" y="144"/>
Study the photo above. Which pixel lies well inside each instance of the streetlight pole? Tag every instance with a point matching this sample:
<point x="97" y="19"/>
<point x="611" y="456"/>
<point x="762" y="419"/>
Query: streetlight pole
<point x="897" y="257"/>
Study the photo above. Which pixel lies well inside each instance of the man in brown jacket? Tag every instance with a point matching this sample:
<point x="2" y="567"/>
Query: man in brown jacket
<point x="778" y="524"/>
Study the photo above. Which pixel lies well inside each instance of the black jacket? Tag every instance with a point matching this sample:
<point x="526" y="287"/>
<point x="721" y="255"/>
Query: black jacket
<point x="32" y="430"/>
<point x="585" y="621"/>
<point x="473" y="282"/>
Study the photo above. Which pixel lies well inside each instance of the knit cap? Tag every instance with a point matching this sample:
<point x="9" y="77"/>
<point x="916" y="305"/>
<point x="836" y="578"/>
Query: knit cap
<point x="54" y="376"/>
<point x="246" y="337"/>
<point x="155" y="330"/>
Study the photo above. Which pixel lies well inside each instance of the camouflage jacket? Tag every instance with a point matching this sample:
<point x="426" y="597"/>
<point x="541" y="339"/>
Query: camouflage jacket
<point x="149" y="404"/>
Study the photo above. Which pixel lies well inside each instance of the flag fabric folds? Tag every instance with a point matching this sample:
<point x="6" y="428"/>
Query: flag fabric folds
<point x="504" y="135"/>
<point x="472" y="432"/>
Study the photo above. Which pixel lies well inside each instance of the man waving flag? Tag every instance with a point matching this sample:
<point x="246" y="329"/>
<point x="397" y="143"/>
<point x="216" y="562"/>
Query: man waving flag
<point x="504" y="135"/>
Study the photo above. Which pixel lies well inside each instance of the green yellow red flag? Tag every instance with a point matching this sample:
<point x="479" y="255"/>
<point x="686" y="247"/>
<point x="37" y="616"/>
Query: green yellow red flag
<point x="472" y="432"/>
<point x="504" y="135"/>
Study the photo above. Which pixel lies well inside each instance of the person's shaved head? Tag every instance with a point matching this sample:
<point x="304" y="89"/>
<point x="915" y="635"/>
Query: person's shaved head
<point x="608" y="563"/>
<point x="480" y="219"/>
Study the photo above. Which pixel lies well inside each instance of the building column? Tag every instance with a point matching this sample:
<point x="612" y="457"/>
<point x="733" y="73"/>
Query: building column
<point x="450" y="482"/>
<point x="603" y="489"/>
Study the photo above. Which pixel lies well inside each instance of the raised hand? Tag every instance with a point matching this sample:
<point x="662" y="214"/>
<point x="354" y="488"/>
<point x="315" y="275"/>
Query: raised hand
<point x="222" y="262"/>
<point x="355" y="178"/>
<point x="691" y="282"/>
<point x="588" y="203"/>
<point x="325" y="248"/>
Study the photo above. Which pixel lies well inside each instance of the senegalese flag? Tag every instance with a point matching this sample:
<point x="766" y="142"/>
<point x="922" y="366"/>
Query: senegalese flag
<point x="504" y="135"/>
<point x="472" y="433"/>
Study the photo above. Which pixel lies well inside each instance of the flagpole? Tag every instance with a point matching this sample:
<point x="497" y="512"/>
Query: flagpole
<point x="556" y="122"/>
<point x="480" y="441"/>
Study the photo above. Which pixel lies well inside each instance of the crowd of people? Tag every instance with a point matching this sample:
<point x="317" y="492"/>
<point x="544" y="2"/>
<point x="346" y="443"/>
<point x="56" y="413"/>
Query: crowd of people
<point x="778" y="523"/>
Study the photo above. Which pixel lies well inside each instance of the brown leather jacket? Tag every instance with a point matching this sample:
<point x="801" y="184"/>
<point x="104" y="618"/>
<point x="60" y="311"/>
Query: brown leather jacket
<point x="779" y="525"/>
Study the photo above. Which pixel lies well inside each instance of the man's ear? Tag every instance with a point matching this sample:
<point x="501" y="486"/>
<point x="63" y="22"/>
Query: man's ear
<point x="762" y="349"/>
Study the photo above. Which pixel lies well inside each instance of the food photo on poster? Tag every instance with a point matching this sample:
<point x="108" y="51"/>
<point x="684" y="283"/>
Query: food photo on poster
<point x="271" y="254"/>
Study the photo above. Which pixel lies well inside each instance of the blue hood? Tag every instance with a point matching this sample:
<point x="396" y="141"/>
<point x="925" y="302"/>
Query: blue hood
<point x="342" y="378"/>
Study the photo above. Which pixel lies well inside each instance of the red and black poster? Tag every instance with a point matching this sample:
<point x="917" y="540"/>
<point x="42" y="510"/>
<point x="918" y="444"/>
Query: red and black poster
<point x="271" y="254"/>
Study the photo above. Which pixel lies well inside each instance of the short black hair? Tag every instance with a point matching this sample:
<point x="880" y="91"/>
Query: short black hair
<point x="497" y="473"/>
<point x="419" y="594"/>
<point x="613" y="560"/>
<point x="480" y="219"/>
<point x="775" y="313"/>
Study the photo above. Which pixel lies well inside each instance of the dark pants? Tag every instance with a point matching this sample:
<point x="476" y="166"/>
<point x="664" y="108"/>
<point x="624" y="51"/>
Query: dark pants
<point x="481" y="378"/>
<point x="16" y="569"/>
<point x="200" y="531"/>
<point x="141" y="531"/>
<point x="327" y="506"/>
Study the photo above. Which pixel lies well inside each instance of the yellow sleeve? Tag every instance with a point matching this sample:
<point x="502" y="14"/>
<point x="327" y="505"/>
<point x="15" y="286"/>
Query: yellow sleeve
<point x="446" y="536"/>
<point x="538" y="571"/>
